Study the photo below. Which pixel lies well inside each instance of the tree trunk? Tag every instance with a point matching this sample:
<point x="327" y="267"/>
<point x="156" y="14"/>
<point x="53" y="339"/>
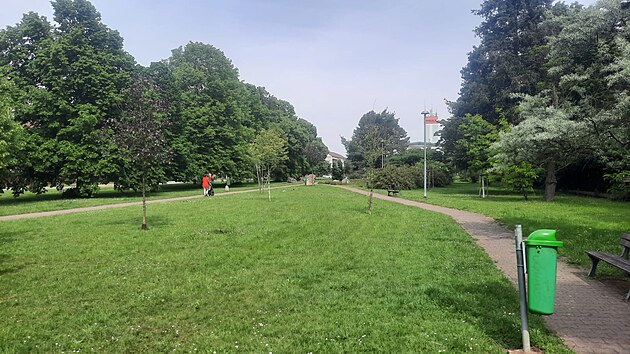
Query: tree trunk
<point x="550" y="181"/>
<point x="259" y="177"/>
<point x="483" y="187"/>
<point x="144" y="204"/>
<point x="269" y="183"/>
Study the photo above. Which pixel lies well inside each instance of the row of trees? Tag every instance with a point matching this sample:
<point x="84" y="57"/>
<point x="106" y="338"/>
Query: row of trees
<point x="545" y="93"/>
<point x="75" y="108"/>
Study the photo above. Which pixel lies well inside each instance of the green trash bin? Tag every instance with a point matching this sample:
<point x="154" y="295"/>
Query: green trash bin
<point x="541" y="249"/>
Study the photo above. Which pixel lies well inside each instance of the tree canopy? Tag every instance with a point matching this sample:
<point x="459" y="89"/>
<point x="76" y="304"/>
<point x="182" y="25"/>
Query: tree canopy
<point x="376" y="136"/>
<point x="559" y="75"/>
<point x="64" y="82"/>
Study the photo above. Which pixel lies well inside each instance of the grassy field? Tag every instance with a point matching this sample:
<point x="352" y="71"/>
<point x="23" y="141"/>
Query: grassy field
<point x="310" y="271"/>
<point x="583" y="223"/>
<point x="53" y="200"/>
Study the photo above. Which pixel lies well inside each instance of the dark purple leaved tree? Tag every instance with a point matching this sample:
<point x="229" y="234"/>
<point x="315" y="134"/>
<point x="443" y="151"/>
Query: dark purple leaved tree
<point x="139" y="134"/>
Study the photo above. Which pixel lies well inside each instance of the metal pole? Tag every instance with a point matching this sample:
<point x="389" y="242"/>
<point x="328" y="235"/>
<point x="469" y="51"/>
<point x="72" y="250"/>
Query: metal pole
<point x="522" y="291"/>
<point x="382" y="153"/>
<point x="424" y="120"/>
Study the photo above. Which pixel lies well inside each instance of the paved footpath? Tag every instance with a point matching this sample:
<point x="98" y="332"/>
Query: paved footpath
<point x="589" y="316"/>
<point x="119" y="205"/>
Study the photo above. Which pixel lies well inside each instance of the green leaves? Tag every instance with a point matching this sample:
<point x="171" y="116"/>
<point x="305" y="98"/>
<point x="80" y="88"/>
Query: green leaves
<point x="377" y="134"/>
<point x="82" y="116"/>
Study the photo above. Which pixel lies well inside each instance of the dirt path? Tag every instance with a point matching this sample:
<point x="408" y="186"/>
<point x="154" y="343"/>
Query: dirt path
<point x="590" y="316"/>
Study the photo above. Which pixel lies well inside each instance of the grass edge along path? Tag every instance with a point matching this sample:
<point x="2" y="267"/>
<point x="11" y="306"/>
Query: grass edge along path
<point x="309" y="271"/>
<point x="125" y="204"/>
<point x="53" y="200"/>
<point x="589" y="316"/>
<point x="582" y="223"/>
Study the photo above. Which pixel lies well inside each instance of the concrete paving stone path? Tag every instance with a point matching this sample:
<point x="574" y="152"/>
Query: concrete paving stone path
<point x="589" y="316"/>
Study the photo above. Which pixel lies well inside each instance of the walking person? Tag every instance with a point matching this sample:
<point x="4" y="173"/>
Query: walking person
<point x="210" y="192"/>
<point x="205" y="183"/>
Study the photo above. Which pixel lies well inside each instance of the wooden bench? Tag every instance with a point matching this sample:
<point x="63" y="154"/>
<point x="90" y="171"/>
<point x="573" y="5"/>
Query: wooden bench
<point x="393" y="192"/>
<point x="620" y="262"/>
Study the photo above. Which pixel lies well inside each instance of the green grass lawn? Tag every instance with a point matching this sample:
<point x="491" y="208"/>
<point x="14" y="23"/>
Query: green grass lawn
<point x="310" y="271"/>
<point x="53" y="200"/>
<point x="583" y="223"/>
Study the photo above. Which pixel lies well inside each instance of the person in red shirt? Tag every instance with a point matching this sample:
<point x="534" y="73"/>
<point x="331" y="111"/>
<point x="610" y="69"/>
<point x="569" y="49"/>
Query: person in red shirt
<point x="205" y="183"/>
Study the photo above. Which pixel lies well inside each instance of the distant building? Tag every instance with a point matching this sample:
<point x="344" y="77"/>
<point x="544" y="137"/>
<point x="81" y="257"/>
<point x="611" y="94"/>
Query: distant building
<point x="333" y="156"/>
<point x="432" y="128"/>
<point x="420" y="145"/>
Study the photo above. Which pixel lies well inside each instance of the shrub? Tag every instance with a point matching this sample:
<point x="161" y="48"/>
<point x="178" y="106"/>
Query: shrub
<point x="399" y="177"/>
<point x="620" y="184"/>
<point x="520" y="177"/>
<point x="439" y="175"/>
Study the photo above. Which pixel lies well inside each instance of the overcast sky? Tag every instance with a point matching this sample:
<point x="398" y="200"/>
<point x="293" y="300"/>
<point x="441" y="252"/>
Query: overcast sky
<point x="334" y="60"/>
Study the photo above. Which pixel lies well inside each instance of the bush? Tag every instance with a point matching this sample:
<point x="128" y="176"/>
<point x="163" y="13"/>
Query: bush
<point x="409" y="177"/>
<point x="398" y="177"/>
<point x="620" y="184"/>
<point x="520" y="177"/>
<point x="439" y="175"/>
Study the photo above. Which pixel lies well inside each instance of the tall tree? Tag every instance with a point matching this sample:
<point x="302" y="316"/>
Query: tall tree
<point x="377" y="134"/>
<point x="11" y="134"/>
<point x="214" y="121"/>
<point x="70" y="81"/>
<point x="315" y="152"/>
<point x="588" y="63"/>
<point x="508" y="59"/>
<point x="548" y="138"/>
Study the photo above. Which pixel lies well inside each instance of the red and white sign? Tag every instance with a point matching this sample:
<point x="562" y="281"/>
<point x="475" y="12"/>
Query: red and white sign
<point x="432" y="120"/>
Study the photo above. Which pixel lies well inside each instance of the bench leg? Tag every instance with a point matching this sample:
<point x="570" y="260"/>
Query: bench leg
<point x="594" y="266"/>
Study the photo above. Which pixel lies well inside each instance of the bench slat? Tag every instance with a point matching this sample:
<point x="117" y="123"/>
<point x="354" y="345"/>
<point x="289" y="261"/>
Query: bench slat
<point x="616" y="261"/>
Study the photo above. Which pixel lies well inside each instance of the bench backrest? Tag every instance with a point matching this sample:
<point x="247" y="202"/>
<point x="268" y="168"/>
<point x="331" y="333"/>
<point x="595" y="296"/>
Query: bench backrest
<point x="625" y="242"/>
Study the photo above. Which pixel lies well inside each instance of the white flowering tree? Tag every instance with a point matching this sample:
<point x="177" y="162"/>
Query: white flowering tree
<point x="548" y="138"/>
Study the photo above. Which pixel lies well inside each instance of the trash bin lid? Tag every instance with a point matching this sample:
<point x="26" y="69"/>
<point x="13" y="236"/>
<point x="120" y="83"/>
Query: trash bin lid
<point x="543" y="238"/>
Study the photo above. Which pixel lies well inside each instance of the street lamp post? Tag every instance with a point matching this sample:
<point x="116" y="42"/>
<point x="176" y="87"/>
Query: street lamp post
<point x="424" y="120"/>
<point x="382" y="153"/>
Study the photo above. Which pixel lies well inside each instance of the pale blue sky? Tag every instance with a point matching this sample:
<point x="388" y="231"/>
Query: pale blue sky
<point x="334" y="60"/>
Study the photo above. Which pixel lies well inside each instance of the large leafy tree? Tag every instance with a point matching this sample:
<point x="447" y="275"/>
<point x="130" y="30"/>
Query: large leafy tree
<point x="548" y="137"/>
<point x="509" y="59"/>
<point x="588" y="64"/>
<point x="315" y="153"/>
<point x="20" y="47"/>
<point x="376" y="135"/>
<point x="304" y="147"/>
<point x="11" y="135"/>
<point x="70" y="80"/>
<point x="213" y="123"/>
